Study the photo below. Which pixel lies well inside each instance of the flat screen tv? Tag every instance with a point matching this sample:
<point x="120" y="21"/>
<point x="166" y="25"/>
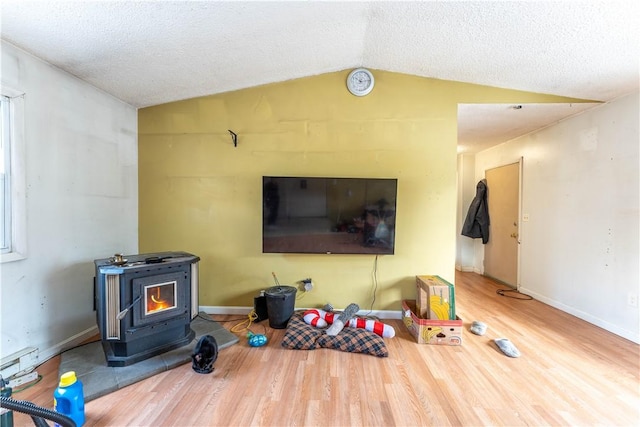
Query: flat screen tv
<point x="328" y="215"/>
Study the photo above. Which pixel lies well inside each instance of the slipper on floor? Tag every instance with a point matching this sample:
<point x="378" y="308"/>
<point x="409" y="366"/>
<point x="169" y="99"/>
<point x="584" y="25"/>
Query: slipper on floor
<point x="478" y="328"/>
<point x="507" y="347"/>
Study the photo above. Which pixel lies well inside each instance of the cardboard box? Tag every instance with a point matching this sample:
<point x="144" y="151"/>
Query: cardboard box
<point x="422" y="298"/>
<point x="428" y="331"/>
<point x="435" y="298"/>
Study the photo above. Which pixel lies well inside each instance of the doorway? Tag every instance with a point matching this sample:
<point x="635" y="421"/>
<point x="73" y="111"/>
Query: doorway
<point x="501" y="253"/>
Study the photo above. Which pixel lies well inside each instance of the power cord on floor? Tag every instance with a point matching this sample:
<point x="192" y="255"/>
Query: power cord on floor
<point x="23" y="388"/>
<point x="520" y="295"/>
<point x="42" y="362"/>
<point x="241" y="328"/>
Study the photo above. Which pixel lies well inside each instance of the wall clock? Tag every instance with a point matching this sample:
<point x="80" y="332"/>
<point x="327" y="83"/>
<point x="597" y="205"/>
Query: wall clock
<point x="360" y="82"/>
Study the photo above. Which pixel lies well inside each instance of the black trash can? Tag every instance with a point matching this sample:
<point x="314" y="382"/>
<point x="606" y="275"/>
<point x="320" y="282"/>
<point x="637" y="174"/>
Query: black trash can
<point x="281" y="301"/>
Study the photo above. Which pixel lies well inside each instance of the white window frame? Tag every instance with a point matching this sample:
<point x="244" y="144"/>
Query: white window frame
<point x="17" y="178"/>
<point x="5" y="181"/>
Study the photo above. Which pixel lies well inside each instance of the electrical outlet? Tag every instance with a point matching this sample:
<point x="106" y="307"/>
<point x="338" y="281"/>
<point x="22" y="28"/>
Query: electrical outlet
<point x="308" y="285"/>
<point x="632" y="299"/>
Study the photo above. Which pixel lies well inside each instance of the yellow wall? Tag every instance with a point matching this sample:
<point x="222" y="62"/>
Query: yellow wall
<point x="201" y="195"/>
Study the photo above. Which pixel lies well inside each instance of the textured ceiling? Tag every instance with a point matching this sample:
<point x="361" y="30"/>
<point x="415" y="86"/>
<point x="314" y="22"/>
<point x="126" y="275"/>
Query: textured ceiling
<point x="153" y="52"/>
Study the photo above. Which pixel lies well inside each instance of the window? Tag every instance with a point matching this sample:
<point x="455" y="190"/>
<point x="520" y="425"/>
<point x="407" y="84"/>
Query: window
<point x="5" y="175"/>
<point x="12" y="176"/>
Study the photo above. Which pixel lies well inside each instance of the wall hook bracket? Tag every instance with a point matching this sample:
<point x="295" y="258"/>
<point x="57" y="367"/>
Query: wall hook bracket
<point x="234" y="137"/>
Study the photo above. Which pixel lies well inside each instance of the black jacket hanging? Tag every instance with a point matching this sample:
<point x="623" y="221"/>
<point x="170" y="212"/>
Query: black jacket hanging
<point x="477" y="222"/>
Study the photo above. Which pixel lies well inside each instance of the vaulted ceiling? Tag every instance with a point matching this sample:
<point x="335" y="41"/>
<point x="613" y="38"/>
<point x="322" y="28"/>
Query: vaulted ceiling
<point x="152" y="52"/>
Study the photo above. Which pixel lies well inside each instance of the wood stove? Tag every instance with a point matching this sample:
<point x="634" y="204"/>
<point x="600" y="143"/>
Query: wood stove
<point x="145" y="304"/>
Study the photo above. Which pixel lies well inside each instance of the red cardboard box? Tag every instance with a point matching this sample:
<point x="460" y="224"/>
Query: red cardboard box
<point x="428" y="331"/>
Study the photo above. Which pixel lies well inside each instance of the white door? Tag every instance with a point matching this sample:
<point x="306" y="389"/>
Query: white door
<point x="503" y="200"/>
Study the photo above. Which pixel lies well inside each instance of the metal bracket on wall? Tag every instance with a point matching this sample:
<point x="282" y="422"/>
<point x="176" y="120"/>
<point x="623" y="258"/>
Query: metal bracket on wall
<point x="234" y="137"/>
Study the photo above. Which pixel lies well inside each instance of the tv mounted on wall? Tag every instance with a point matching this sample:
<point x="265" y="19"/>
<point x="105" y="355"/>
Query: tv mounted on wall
<point x="328" y="215"/>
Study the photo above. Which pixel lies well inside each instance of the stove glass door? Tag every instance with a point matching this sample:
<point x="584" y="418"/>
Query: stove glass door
<point x="160" y="297"/>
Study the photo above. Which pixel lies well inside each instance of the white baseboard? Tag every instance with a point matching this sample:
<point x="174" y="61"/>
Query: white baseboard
<point x="468" y="269"/>
<point x="67" y="344"/>
<point x="380" y="314"/>
<point x="216" y="309"/>
<point x="584" y="316"/>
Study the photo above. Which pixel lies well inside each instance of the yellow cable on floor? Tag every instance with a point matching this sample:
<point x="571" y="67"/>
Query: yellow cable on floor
<point x="249" y="321"/>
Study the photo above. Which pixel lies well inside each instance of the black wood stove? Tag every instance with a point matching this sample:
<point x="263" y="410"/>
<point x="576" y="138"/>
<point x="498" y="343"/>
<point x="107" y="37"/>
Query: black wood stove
<point x="145" y="304"/>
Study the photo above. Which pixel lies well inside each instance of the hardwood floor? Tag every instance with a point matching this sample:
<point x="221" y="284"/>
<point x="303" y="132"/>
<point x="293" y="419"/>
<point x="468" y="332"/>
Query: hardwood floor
<point x="570" y="373"/>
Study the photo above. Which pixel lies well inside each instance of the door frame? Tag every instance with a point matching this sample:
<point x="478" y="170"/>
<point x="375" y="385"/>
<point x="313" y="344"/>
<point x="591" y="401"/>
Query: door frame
<point x="520" y="189"/>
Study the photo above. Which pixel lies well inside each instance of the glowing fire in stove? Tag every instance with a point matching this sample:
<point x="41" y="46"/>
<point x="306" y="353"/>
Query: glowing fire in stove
<point x="158" y="304"/>
<point x="160" y="297"/>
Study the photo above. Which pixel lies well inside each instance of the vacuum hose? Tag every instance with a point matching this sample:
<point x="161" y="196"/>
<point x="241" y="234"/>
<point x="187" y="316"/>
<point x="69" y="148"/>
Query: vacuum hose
<point x="37" y="412"/>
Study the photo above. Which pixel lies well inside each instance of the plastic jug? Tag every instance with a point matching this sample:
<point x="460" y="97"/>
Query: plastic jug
<point x="68" y="398"/>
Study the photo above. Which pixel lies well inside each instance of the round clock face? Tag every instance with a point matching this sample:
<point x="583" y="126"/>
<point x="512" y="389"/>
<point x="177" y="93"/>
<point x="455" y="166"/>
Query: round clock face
<point x="360" y="82"/>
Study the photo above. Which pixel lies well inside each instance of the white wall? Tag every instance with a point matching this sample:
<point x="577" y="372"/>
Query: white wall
<point x="579" y="249"/>
<point x="465" y="248"/>
<point x="81" y="203"/>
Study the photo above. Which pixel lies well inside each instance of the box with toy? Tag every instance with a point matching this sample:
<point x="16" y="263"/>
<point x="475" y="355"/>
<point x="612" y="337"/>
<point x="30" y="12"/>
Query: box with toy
<point x="435" y="298"/>
<point x="431" y="331"/>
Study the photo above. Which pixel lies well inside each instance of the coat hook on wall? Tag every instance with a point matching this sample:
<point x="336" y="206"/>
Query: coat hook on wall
<point x="234" y="137"/>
